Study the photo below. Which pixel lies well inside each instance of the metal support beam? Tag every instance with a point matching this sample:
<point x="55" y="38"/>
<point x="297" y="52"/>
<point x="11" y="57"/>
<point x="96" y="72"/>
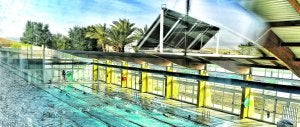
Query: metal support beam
<point x="285" y="23"/>
<point x="218" y="42"/>
<point x="290" y="44"/>
<point x="197" y="38"/>
<point x="172" y="28"/>
<point x="188" y="32"/>
<point x="161" y="30"/>
<point x="43" y="66"/>
<point x="296" y="5"/>
<point x="148" y="34"/>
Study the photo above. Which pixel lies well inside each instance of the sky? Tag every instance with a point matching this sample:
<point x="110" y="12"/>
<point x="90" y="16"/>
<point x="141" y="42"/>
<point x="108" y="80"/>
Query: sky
<point x="61" y="15"/>
<point x="64" y="14"/>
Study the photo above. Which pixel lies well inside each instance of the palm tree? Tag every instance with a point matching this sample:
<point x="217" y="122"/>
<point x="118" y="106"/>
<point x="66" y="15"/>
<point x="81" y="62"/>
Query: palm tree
<point x="122" y="33"/>
<point x="114" y="37"/>
<point x="99" y="32"/>
<point x="139" y="33"/>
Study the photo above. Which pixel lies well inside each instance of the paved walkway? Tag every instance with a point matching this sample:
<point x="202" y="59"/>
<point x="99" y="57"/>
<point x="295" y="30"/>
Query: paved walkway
<point x="25" y="105"/>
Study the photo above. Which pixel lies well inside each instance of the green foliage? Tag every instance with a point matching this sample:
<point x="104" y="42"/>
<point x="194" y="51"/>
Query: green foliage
<point x="93" y="37"/>
<point x="100" y="33"/>
<point x="121" y="33"/>
<point x="60" y="41"/>
<point x="28" y="37"/>
<point x="36" y="33"/>
<point x="16" y="45"/>
<point x="78" y="40"/>
<point x="139" y="33"/>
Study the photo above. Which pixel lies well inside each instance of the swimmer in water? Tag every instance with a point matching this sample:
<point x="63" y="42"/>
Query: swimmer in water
<point x="166" y="115"/>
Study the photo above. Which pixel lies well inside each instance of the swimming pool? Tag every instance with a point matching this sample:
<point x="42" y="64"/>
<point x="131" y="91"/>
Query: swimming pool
<point x="116" y="109"/>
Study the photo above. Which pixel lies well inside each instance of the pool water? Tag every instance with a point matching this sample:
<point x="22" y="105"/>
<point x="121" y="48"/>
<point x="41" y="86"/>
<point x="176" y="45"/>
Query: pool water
<point x="114" y="108"/>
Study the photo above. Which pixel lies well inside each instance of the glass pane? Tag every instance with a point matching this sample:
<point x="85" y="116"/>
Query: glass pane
<point x="237" y="103"/>
<point x="296" y="105"/>
<point x="279" y="109"/>
<point x="189" y="93"/>
<point x="228" y="101"/>
<point x="283" y="94"/>
<point x="258" y="71"/>
<point x="181" y="92"/>
<point x="217" y="99"/>
<point x="195" y="94"/>
<point x="269" y="110"/>
<point x="269" y="92"/>
<point x="296" y="96"/>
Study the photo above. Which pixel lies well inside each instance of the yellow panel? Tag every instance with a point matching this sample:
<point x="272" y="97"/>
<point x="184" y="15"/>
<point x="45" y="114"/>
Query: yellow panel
<point x="204" y="92"/>
<point x="124" y="75"/>
<point x="175" y="87"/>
<point x="168" y="88"/>
<point x="208" y="101"/>
<point x="246" y="95"/>
<point x="143" y="82"/>
<point x="95" y="70"/>
<point x="129" y="81"/>
<point x="95" y="88"/>
<point x="108" y="72"/>
<point x="103" y="74"/>
<point x="201" y="93"/>
<point x="113" y="76"/>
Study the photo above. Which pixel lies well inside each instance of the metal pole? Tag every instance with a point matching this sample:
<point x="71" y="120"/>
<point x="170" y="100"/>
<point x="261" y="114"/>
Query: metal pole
<point x="27" y="51"/>
<point x="161" y="36"/>
<point x="44" y="74"/>
<point x="218" y="41"/>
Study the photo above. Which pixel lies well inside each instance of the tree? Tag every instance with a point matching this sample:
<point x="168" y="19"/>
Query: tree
<point x="46" y="37"/>
<point x="60" y="41"/>
<point x="114" y="39"/>
<point x="78" y="41"/>
<point x="100" y="33"/>
<point x="121" y="33"/>
<point x="246" y="48"/>
<point x="37" y="33"/>
<point x="27" y="37"/>
<point x="139" y="33"/>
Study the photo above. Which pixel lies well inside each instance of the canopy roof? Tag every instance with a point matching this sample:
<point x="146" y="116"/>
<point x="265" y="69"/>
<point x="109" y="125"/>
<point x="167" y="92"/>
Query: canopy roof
<point x="180" y="32"/>
<point x="283" y="36"/>
<point x="185" y="37"/>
